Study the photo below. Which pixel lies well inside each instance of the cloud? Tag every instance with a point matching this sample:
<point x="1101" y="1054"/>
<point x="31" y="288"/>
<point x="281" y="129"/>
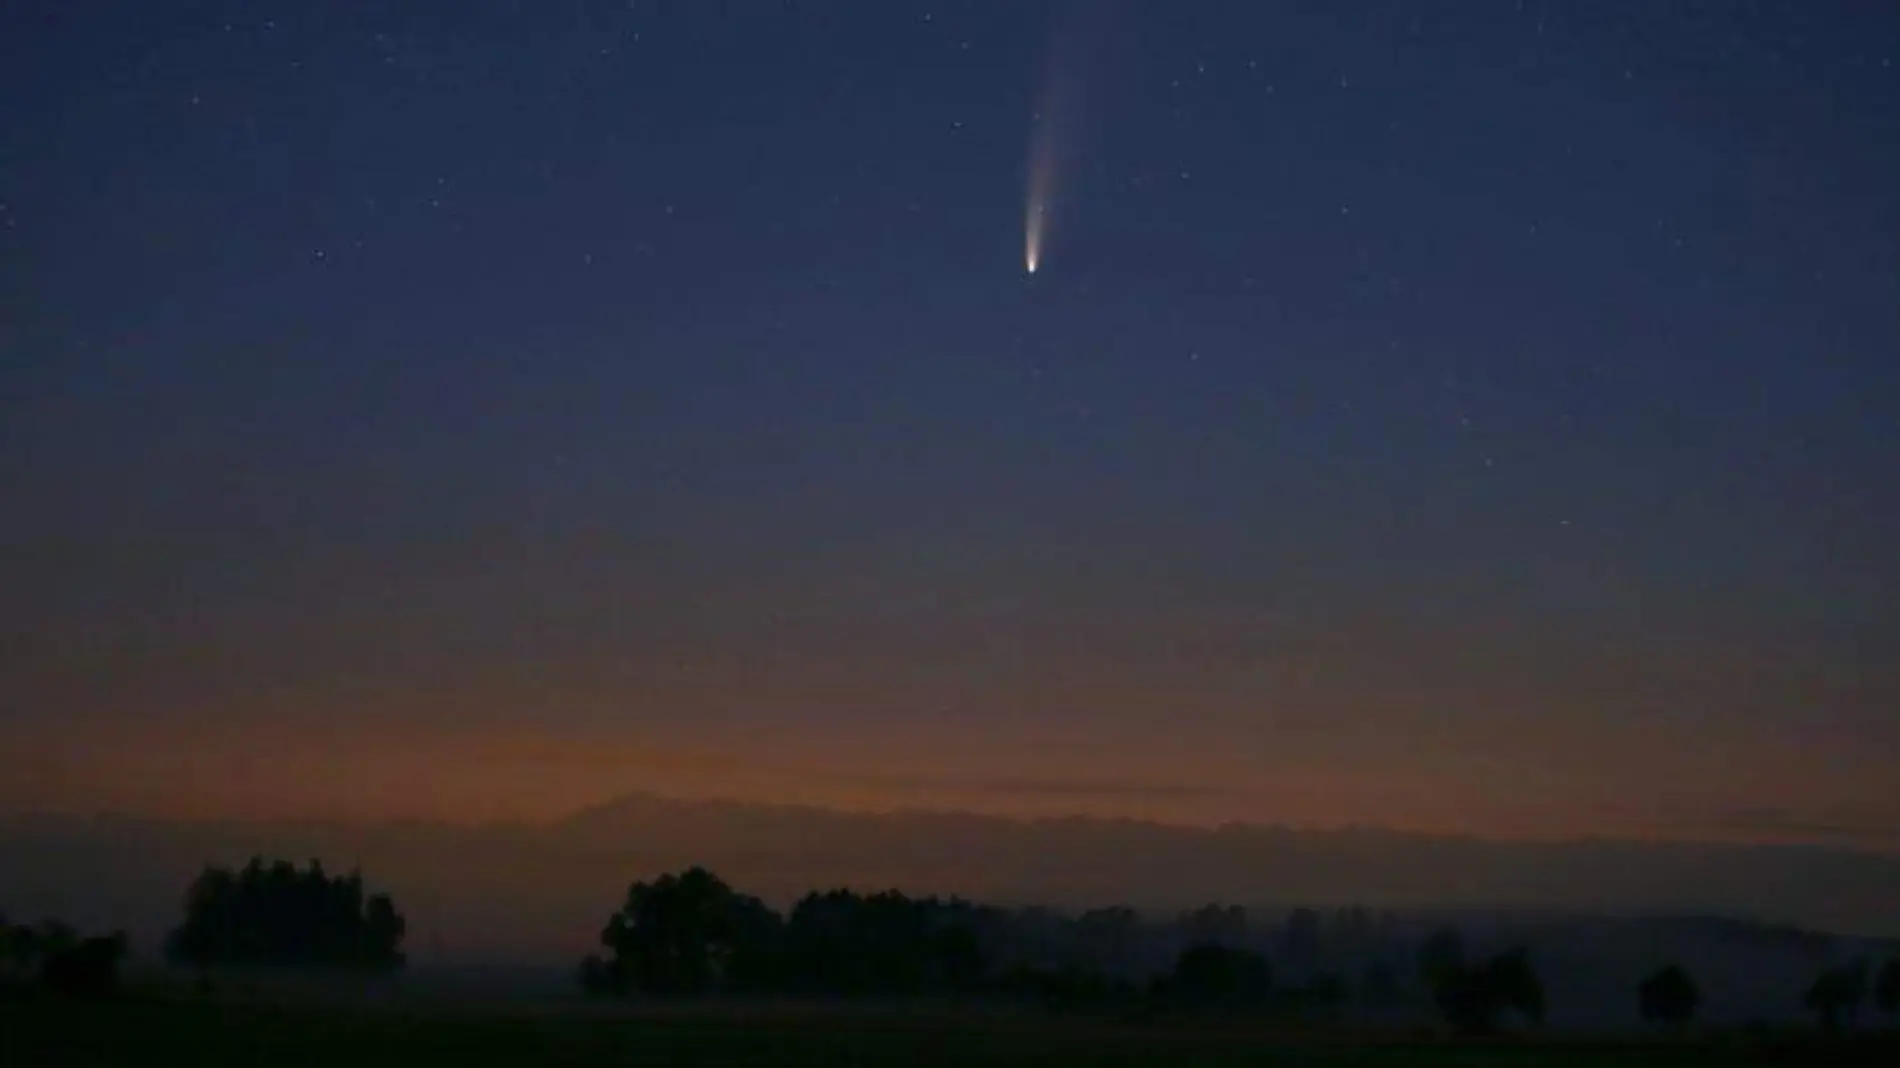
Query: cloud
<point x="650" y="759"/>
<point x="1038" y="787"/>
<point x="1858" y="828"/>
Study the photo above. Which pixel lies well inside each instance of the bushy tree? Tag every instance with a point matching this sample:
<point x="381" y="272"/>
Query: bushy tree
<point x="1212" y="975"/>
<point x="57" y="958"/>
<point x="1836" y="994"/>
<point x="19" y="949"/>
<point x="687" y="935"/>
<point x="843" y="943"/>
<point x="1108" y="937"/>
<point x="25" y="948"/>
<point x="1474" y="999"/>
<point x="87" y="968"/>
<point x="278" y="916"/>
<point x="1440" y="957"/>
<point x="1668" y="997"/>
<point x="597" y="976"/>
<point x="1887" y="987"/>
<point x="1300" y="939"/>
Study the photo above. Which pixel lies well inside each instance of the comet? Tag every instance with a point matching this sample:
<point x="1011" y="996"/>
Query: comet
<point x="1056" y="122"/>
<point x="1042" y="180"/>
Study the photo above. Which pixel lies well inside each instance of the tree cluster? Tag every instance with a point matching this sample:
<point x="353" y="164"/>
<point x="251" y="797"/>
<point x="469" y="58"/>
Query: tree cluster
<point x="1836" y="995"/>
<point x="1213" y="975"/>
<point x="279" y="916"/>
<point x="57" y="958"/>
<point x="1668" y="997"/>
<point x="691" y="935"/>
<point x="1477" y="997"/>
<point x="1887" y="987"/>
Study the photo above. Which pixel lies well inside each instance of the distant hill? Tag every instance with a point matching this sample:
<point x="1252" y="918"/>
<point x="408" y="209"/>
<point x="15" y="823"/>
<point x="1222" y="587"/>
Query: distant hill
<point x="537" y="893"/>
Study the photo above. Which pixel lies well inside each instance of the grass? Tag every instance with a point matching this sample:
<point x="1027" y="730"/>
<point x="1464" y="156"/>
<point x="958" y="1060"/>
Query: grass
<point x="156" y="1030"/>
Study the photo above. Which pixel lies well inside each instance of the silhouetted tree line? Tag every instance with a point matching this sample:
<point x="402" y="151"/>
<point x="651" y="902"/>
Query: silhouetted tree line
<point x="690" y="935"/>
<point x="279" y="916"/>
<point x="53" y="956"/>
<point x="1837" y="994"/>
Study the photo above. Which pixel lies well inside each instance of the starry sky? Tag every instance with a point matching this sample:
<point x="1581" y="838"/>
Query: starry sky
<point x="1474" y="417"/>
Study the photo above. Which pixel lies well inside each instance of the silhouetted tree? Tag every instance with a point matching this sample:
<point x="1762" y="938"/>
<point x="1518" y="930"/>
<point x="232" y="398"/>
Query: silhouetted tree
<point x="1353" y="927"/>
<point x="1836" y="994"/>
<point x="25" y="947"/>
<point x="1220" y="924"/>
<point x="1887" y="987"/>
<point x="843" y="943"/>
<point x="54" y="936"/>
<point x="55" y="956"/>
<point x="688" y="935"/>
<point x="1211" y="975"/>
<point x="1515" y="985"/>
<point x="1668" y="997"/>
<point x="88" y="967"/>
<point x="277" y="916"/>
<point x="1108" y="937"/>
<point x="959" y="963"/>
<point x="383" y="930"/>
<point x="19" y="949"/>
<point x="840" y="942"/>
<point x="597" y="976"/>
<point x="31" y="947"/>
<point x="1300" y="940"/>
<point x="1465" y="1002"/>
<point x="1440" y="957"/>
<point x="1473" y="999"/>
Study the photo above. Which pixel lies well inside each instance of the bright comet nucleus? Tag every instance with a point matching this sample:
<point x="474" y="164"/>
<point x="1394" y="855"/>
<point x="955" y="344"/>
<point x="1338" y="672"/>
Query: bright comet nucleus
<point x="1032" y="228"/>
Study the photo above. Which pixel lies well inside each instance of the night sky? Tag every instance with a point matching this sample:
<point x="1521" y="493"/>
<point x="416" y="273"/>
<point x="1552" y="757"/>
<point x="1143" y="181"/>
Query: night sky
<point x="1478" y="416"/>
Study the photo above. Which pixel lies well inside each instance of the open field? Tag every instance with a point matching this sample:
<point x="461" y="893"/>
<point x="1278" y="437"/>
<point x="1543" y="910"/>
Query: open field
<point x="35" y="1032"/>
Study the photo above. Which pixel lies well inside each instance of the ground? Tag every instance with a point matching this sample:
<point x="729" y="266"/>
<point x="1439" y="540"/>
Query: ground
<point x="205" y="1034"/>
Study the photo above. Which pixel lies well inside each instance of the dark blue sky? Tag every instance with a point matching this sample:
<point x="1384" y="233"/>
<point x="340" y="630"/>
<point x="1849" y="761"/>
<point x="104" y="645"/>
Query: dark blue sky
<point x="1416" y="405"/>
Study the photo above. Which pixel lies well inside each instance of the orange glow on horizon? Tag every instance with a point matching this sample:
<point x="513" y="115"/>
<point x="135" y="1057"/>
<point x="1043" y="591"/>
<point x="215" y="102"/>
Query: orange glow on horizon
<point x="498" y="775"/>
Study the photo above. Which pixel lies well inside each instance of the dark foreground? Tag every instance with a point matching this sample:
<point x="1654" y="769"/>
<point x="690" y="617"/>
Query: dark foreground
<point x="148" y="1031"/>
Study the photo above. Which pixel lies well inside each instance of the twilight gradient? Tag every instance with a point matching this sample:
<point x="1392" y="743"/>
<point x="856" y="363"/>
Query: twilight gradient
<point x="1470" y="417"/>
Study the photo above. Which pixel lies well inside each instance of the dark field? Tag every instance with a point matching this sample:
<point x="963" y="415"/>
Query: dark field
<point x="147" y="1031"/>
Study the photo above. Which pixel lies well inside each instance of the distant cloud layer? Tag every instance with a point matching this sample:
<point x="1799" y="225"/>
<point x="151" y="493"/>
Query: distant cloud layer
<point x="1109" y="789"/>
<point x="1863" y="828"/>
